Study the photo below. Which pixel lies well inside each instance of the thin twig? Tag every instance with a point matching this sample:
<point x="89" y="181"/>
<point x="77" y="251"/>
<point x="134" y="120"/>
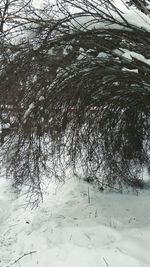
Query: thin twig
<point x="24" y="255"/>
<point x="105" y="261"/>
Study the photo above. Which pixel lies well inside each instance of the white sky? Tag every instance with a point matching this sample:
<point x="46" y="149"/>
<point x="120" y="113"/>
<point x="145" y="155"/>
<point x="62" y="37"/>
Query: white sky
<point x="118" y="3"/>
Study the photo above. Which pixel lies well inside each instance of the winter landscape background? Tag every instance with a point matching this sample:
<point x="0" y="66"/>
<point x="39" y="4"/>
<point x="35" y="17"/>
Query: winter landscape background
<point x="74" y="133"/>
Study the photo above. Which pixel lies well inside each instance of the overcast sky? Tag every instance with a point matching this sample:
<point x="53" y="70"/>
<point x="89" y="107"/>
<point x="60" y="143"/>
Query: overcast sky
<point x="118" y="3"/>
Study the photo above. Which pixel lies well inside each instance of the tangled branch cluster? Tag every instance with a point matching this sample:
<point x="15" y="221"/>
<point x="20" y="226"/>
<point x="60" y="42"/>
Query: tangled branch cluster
<point x="81" y="98"/>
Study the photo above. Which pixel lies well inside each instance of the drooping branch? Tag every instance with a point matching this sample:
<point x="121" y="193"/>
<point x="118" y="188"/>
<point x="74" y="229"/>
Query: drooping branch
<point x="80" y="88"/>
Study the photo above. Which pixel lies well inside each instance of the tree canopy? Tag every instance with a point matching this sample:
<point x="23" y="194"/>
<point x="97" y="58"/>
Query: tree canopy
<point x="75" y="86"/>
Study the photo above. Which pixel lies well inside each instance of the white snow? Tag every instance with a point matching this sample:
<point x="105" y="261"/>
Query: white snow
<point x="74" y="229"/>
<point x="81" y="56"/>
<point x="4" y="126"/>
<point x="28" y="111"/>
<point x="103" y="55"/>
<point x="130" y="70"/>
<point x="41" y="98"/>
<point x="133" y="55"/>
<point x="67" y="49"/>
<point x="52" y="52"/>
<point x="132" y="16"/>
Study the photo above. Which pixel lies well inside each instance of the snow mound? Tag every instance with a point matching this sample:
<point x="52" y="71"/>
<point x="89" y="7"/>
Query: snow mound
<point x="76" y="226"/>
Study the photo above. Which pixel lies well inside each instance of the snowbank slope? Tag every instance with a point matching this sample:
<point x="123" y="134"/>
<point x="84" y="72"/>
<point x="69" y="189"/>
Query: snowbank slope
<point x="75" y="229"/>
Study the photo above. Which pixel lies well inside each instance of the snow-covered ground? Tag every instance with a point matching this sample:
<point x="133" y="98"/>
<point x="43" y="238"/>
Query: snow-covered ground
<point x="74" y="228"/>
